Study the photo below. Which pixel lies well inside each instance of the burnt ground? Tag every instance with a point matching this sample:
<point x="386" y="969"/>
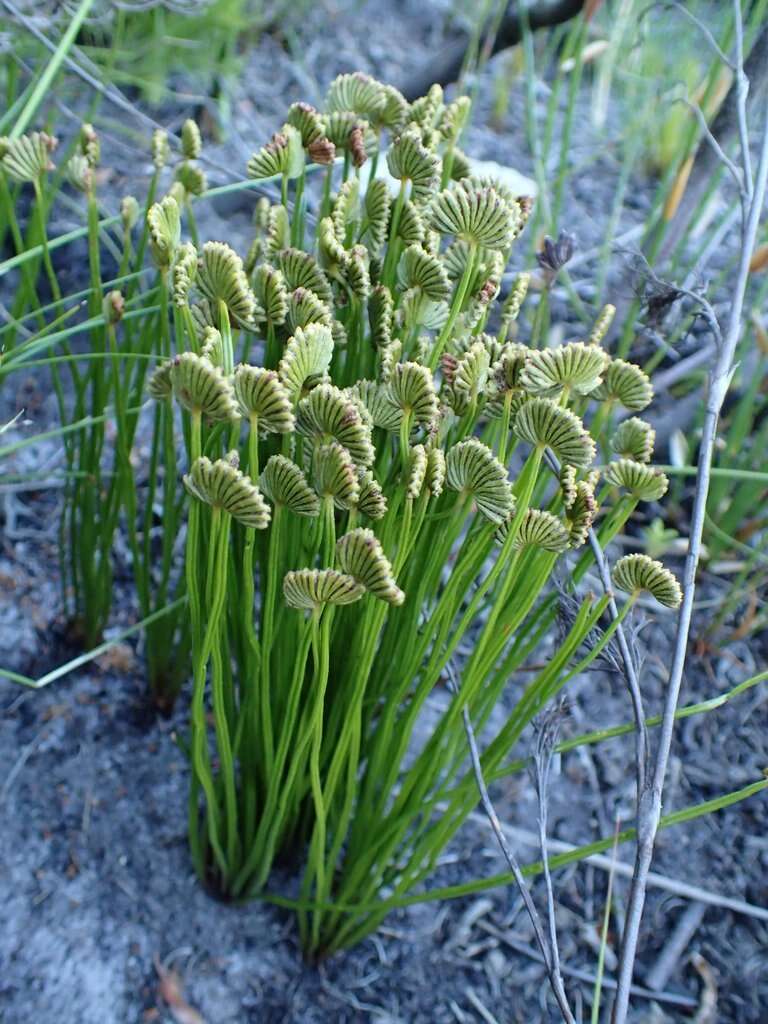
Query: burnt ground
<point x="94" y="873"/>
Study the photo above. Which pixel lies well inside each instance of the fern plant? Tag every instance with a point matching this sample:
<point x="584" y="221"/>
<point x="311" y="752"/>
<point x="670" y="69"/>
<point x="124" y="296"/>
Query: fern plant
<point x="372" y="497"/>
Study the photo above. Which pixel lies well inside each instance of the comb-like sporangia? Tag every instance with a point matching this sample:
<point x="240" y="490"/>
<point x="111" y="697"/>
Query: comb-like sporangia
<point x="538" y="529"/>
<point x="412" y="389"/>
<point x="284" y="483"/>
<point x="222" y="485"/>
<point x="311" y="589"/>
<point x="334" y="475"/>
<point x="263" y="398"/>
<point x="642" y="481"/>
<point x="417" y="471"/>
<point x="222" y="279"/>
<point x="361" y="555"/>
<point x="327" y="414"/>
<point x="635" y="573"/>
<point x="307" y="355"/>
<point x="624" y="383"/>
<point x="164" y="226"/>
<point x="202" y="388"/>
<point x="634" y="439"/>
<point x="271" y="293"/>
<point x="28" y="157"/>
<point x="410" y="161"/>
<point x="580" y="513"/>
<point x="575" y="367"/>
<point x="546" y="424"/>
<point x="479" y="217"/>
<point x="473" y="469"/>
<point x="371" y="500"/>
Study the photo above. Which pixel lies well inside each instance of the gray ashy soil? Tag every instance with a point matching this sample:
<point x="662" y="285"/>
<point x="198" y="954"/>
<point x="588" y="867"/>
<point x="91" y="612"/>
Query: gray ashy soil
<point x="94" y="873"/>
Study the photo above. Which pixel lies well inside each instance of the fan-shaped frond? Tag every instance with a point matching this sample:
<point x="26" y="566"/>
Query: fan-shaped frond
<point x="221" y="485"/>
<point x="409" y="160"/>
<point x="307" y="355"/>
<point x="420" y="270"/>
<point x="264" y="398"/>
<point x="575" y="367"/>
<point x="28" y="157"/>
<point x="361" y="555"/>
<point x="356" y="92"/>
<point x="202" y="388"/>
<point x="634" y="439"/>
<point x="642" y="481"/>
<point x="271" y="293"/>
<point x="538" y="529"/>
<point x="625" y="383"/>
<point x="328" y="414"/>
<point x="310" y="589"/>
<point x="307" y="122"/>
<point x="159" y="385"/>
<point x="334" y="475"/>
<point x="634" y="573"/>
<point x="301" y="270"/>
<point x="412" y="389"/>
<point x="371" y="501"/>
<point x="221" y="278"/>
<point x="283" y="154"/>
<point x="284" y="484"/>
<point x="305" y="308"/>
<point x="472" y="468"/>
<point x="480" y="217"/>
<point x="543" y="423"/>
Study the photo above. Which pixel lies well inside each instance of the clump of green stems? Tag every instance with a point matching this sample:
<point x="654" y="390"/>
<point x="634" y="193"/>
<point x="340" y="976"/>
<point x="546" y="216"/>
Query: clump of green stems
<point x="350" y="425"/>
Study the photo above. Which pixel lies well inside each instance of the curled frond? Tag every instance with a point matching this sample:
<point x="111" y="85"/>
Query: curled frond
<point x="159" y="385"/>
<point x="371" y="501"/>
<point x="575" y="367"/>
<point x="538" y="529"/>
<point x="602" y="324"/>
<point x="343" y="129"/>
<point x="411" y="230"/>
<point x="184" y="273"/>
<point x="202" y="388"/>
<point x="346" y="208"/>
<point x="389" y="358"/>
<point x="284" y="484"/>
<point x="357" y="274"/>
<point x="271" y="293"/>
<point x="28" y="157"/>
<point x="567" y="479"/>
<point x="380" y="307"/>
<point x="282" y="155"/>
<point x="581" y="513"/>
<point x="479" y="217"/>
<point x="471" y="373"/>
<point x="544" y="423"/>
<point x="278" y="230"/>
<point x="307" y="355"/>
<point x="212" y="347"/>
<point x="80" y="173"/>
<point x="221" y="278"/>
<point x="436" y="468"/>
<point x="192" y="178"/>
<point x="394" y="111"/>
<point x="472" y="468"/>
<point x="334" y="475"/>
<point x="262" y="396"/>
<point x="164" y="225"/>
<point x="377" y="206"/>
<point x="301" y="270"/>
<point x="427" y="110"/>
<point x="420" y="270"/>
<point x="454" y="118"/>
<point x="409" y="160"/>
<point x="328" y="414"/>
<point x="634" y="573"/>
<point x="634" y="439"/>
<point x="514" y="300"/>
<point x="417" y="471"/>
<point x="625" y="383"/>
<point x="310" y="589"/>
<point x="221" y="485"/>
<point x="161" y="149"/>
<point x="361" y="555"/>
<point x="191" y="140"/>
<point x="333" y="255"/>
<point x="412" y="389"/>
<point x="643" y="482"/>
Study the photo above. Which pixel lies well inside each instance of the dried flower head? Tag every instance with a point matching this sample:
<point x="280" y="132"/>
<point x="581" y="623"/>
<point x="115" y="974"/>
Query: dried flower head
<point x="553" y="256"/>
<point x="635" y="573"/>
<point x="322" y="151"/>
<point x="361" y="555"/>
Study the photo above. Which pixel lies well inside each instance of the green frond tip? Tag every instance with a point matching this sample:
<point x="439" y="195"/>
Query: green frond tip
<point x="222" y="279"/>
<point x="371" y="501"/>
<point x="480" y="217"/>
<point x="436" y="469"/>
<point x="282" y="155"/>
<point x="420" y="270"/>
<point x="581" y="513"/>
<point x="284" y="484"/>
<point x="473" y="469"/>
<point x="575" y="367"/>
<point x="380" y="310"/>
<point x="311" y="589"/>
<point x="306" y="358"/>
<point x="602" y="324"/>
<point x="412" y="388"/>
<point x="545" y="424"/>
<point x="213" y="346"/>
<point x="271" y="293"/>
<point x="538" y="529"/>
<point x="263" y="398"/>
<point x="361" y="555"/>
<point x="335" y="476"/>
<point x="625" y="383"/>
<point x="221" y="485"/>
<point x="193" y="179"/>
<point x="27" y="158"/>
<point x="164" y="226"/>
<point x="634" y="439"/>
<point x="161" y="149"/>
<point x="328" y="414"/>
<point x="191" y="140"/>
<point x="358" y="93"/>
<point x="202" y="388"/>
<point x="417" y="472"/>
<point x="184" y="273"/>
<point x="643" y="482"/>
<point x="410" y="161"/>
<point x="635" y="573"/>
